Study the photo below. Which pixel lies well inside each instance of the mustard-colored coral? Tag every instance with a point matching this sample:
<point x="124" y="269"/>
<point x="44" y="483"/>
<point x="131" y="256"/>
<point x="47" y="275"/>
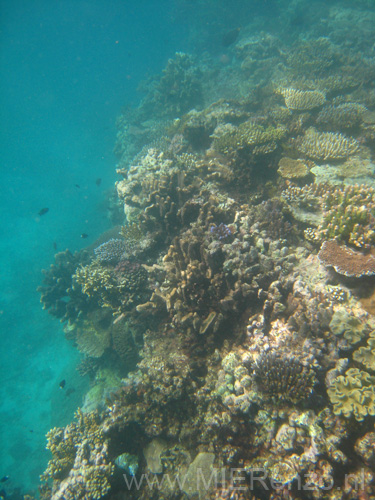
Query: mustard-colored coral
<point x="366" y="354"/>
<point x="95" y="280"/>
<point x="353" y="394"/>
<point x="326" y="145"/>
<point x="348" y="214"/>
<point x="292" y="169"/>
<point x="259" y="139"/>
<point x="302" y="100"/>
<point x="79" y="465"/>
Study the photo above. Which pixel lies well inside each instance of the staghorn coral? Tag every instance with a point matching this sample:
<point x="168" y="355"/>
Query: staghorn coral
<point x="79" y="467"/>
<point x="341" y="116"/>
<point x="352" y="394"/>
<point x="283" y="379"/>
<point x="311" y="57"/>
<point x="326" y="145"/>
<point x="302" y="100"/>
<point x="349" y="214"/>
<point x="346" y="261"/>
<point x="249" y="136"/>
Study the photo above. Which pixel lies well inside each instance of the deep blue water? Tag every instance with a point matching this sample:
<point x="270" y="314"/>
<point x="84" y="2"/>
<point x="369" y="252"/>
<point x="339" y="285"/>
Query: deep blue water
<point x="67" y="69"/>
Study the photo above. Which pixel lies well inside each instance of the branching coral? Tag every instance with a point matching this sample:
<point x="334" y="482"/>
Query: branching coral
<point x="344" y="115"/>
<point x="326" y="145"/>
<point x="349" y="214"/>
<point x="283" y="379"/>
<point x="302" y="100"/>
<point x="250" y="136"/>
<point x="57" y="294"/>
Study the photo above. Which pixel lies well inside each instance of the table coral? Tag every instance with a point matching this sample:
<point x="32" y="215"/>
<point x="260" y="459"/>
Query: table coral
<point x="292" y="169"/>
<point x="302" y="100"/>
<point x="346" y="261"/>
<point x="326" y="145"/>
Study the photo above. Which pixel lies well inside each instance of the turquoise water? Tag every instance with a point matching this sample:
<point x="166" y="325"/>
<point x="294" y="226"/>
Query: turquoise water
<point x="67" y="69"/>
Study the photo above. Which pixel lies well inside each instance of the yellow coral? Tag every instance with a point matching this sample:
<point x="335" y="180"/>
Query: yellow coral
<point x="353" y="394"/>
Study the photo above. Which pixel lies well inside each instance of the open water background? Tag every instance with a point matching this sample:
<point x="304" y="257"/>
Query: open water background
<point x="67" y="68"/>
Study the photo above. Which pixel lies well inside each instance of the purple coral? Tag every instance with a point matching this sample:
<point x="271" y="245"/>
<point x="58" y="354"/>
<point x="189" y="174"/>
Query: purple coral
<point x="111" y="251"/>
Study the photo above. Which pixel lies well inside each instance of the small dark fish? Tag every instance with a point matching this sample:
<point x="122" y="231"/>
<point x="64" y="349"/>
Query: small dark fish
<point x="84" y="235"/>
<point x="43" y="211"/>
<point x="62" y="384"/>
<point x="70" y="391"/>
<point x="31" y="430"/>
<point x="230" y="37"/>
<point x="98" y="181"/>
<point x="4" y="479"/>
<point x="55" y="245"/>
<point x="77" y="186"/>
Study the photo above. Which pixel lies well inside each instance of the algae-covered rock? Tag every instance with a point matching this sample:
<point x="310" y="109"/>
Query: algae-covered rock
<point x="199" y="475"/>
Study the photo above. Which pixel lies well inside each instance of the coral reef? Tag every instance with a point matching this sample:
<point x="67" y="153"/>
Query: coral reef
<point x="353" y="394"/>
<point x="292" y="169"/>
<point x="214" y="332"/>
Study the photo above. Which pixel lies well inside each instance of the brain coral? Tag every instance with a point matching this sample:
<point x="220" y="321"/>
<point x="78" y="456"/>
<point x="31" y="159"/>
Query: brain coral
<point x="326" y="145"/>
